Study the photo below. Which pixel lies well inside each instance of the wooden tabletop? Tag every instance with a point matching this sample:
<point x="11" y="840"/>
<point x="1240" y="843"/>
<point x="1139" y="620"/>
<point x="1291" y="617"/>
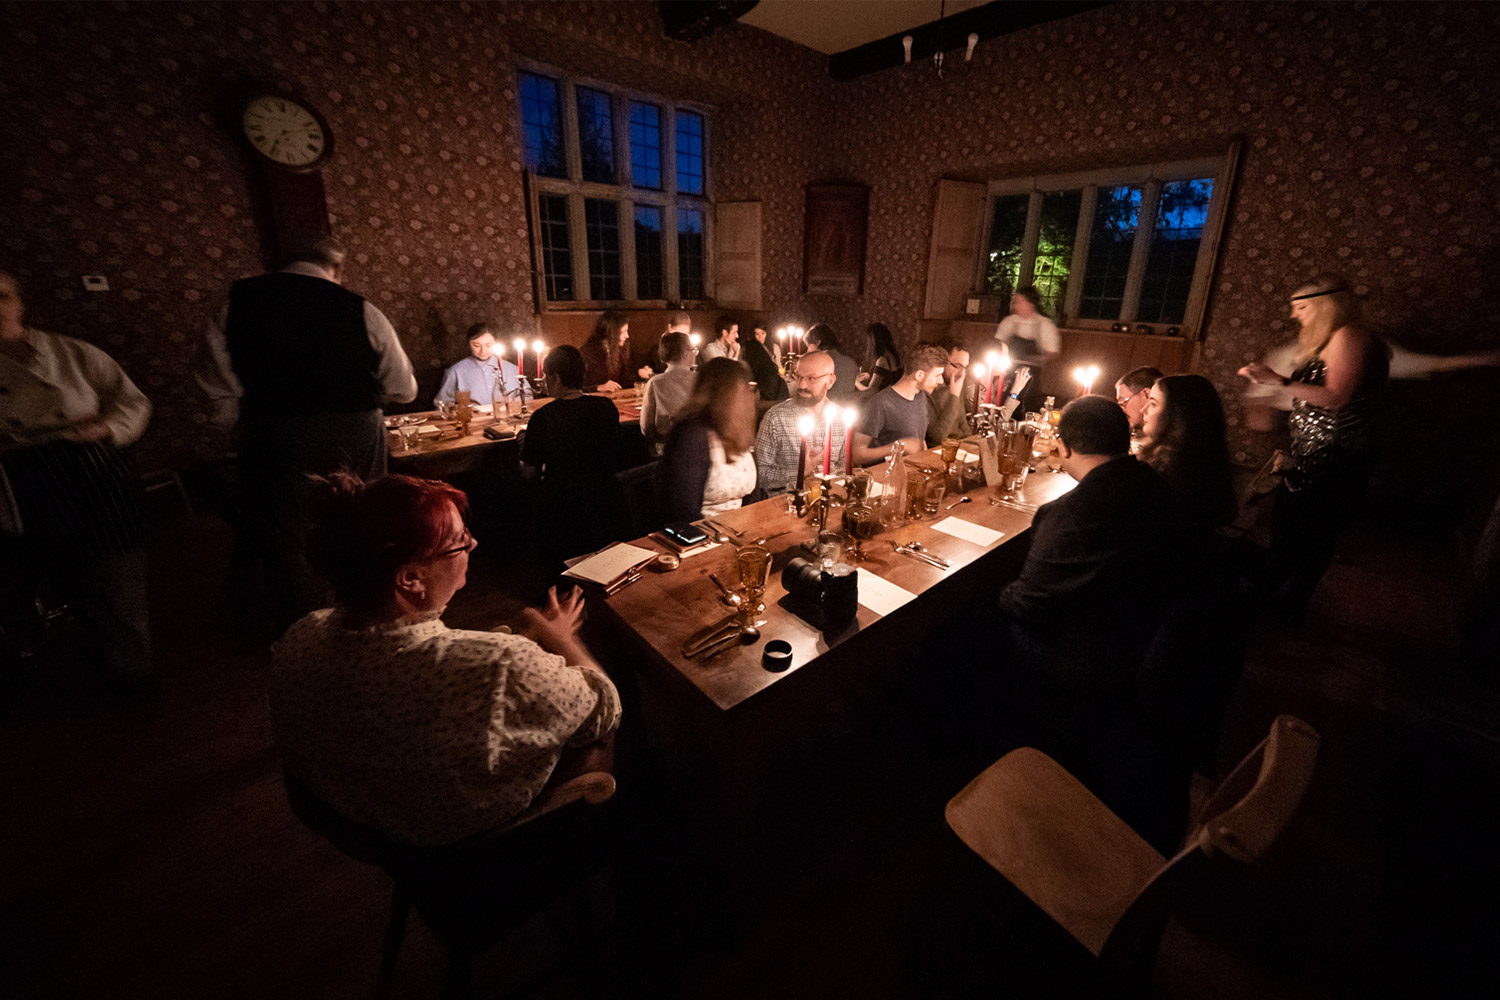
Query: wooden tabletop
<point x="448" y="439"/>
<point x="664" y="609"/>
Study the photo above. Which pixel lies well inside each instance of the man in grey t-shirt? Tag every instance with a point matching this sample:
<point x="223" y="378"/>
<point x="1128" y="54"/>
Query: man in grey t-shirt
<point x="899" y="411"/>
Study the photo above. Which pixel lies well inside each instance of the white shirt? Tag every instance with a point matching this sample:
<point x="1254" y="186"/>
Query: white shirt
<point x="63" y="382"/>
<point x="393" y="369"/>
<point x="1038" y="329"/>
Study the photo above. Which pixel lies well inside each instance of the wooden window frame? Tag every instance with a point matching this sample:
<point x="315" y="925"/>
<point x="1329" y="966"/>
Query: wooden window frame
<point x="624" y="192"/>
<point x="1150" y="177"/>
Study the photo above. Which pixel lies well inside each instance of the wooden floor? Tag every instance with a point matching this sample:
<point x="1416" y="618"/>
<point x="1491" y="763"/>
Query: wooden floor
<point x="148" y="850"/>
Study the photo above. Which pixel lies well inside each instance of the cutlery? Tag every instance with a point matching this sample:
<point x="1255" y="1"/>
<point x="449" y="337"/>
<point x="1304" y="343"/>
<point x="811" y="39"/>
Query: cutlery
<point x="963" y="499"/>
<point x="919" y="547"/>
<point x="932" y="561"/>
<point x="715" y="532"/>
<point x="1029" y="508"/>
<point x="706" y="637"/>
<point x="724" y="528"/>
<point x="743" y="635"/>
<point x="620" y="584"/>
<point x="730" y="597"/>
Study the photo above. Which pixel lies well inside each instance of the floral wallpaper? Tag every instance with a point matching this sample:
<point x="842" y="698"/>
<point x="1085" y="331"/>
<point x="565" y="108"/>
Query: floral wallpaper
<point x="1370" y="146"/>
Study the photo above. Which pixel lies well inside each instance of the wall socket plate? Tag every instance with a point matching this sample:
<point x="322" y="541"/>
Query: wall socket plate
<point x="95" y="283"/>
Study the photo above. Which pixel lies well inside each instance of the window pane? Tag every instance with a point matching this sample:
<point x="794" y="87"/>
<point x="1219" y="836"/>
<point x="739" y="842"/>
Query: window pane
<point x="541" y="123"/>
<point x="1174" y="250"/>
<point x="1054" y="248"/>
<point x="645" y="145"/>
<point x="1112" y="236"/>
<point x="601" y="219"/>
<point x="1002" y="269"/>
<point x="689" y="152"/>
<point x="596" y="135"/>
<point x="557" y="254"/>
<point x="690" y="252"/>
<point x="648" y="253"/>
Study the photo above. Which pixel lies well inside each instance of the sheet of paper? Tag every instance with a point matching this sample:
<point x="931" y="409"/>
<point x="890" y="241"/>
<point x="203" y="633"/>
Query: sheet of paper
<point x="428" y="430"/>
<point x="609" y="565"/>
<point x="967" y="457"/>
<point x="880" y="595"/>
<point x="968" y="531"/>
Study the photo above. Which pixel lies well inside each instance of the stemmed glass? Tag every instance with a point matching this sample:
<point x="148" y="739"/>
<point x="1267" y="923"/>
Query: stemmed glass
<point x="754" y="564"/>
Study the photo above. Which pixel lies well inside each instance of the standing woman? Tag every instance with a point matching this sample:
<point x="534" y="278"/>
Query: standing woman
<point x="707" y="466"/>
<point x="1182" y="437"/>
<point x="69" y="501"/>
<point x="1031" y="338"/>
<point x="606" y="354"/>
<point x="1340" y="370"/>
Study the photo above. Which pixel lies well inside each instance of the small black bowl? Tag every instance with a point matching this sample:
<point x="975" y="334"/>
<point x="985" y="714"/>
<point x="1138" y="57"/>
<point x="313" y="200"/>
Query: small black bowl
<point x="777" y="656"/>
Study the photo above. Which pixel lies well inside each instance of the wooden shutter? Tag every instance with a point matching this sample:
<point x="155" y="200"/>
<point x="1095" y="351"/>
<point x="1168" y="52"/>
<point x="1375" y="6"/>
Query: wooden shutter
<point x="737" y="254"/>
<point x="957" y="222"/>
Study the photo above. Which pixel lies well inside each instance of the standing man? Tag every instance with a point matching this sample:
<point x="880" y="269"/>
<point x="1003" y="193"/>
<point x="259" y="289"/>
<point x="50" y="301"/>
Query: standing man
<point x="947" y="405"/>
<point x="725" y="343"/>
<point x="779" y="439"/>
<point x="1132" y="391"/>
<point x="899" y="411"/>
<point x="303" y="366"/>
<point x="478" y="373"/>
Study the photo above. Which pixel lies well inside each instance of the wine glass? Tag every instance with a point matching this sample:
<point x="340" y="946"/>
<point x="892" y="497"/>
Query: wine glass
<point x="861" y="523"/>
<point x="754" y="564"/>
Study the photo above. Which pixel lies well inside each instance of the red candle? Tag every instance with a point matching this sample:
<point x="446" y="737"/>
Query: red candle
<point x="849" y="416"/>
<point x="538" y="346"/>
<point x="805" y="425"/>
<point x="827" y="440"/>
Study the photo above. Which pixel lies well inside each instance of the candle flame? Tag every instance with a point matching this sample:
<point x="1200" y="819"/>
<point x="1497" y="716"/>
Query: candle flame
<point x="1005" y="361"/>
<point x="805" y="425"/>
<point x="520" y="345"/>
<point x="695" y="340"/>
<point x="538" y="347"/>
<point x="781" y="333"/>
<point x="979" y="371"/>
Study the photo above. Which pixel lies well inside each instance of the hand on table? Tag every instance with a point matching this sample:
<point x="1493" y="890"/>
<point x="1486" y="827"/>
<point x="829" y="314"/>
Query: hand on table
<point x="610" y="386"/>
<point x="645" y="372"/>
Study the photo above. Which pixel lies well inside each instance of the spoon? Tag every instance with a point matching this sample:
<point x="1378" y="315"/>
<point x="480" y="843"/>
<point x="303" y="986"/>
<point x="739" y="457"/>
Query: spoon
<point x="715" y="533"/>
<point x="963" y="499"/>
<point x="729" y="597"/>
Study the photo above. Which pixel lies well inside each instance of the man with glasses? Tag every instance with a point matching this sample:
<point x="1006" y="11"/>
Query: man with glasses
<point x="1132" y="391"/>
<point x="948" y="404"/>
<point x="779" y="440"/>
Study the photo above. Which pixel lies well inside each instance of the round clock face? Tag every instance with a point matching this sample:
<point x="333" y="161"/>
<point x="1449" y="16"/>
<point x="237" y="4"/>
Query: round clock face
<point x="284" y="131"/>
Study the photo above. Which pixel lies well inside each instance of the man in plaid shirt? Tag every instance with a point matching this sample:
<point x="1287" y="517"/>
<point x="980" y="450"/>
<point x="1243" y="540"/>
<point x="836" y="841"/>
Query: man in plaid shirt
<point x="779" y="439"/>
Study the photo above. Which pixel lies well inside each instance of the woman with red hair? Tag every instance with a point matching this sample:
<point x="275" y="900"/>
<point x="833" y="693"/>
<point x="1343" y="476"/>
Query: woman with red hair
<point x="427" y="733"/>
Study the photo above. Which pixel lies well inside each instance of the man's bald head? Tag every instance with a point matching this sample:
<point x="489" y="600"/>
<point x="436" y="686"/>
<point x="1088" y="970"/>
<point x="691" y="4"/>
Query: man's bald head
<point x="814" y="377"/>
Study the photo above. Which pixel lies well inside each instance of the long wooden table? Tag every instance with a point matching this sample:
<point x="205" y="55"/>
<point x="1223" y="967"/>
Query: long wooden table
<point x="663" y="609"/>
<point x="449" y="442"/>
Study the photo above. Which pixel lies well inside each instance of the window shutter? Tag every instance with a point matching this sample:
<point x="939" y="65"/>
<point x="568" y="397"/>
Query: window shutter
<point x="957" y="222"/>
<point x="737" y="269"/>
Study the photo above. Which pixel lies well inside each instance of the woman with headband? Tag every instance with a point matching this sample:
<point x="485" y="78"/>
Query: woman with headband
<point x="1340" y="370"/>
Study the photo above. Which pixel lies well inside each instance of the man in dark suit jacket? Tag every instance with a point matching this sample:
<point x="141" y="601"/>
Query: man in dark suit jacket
<point x="1105" y="566"/>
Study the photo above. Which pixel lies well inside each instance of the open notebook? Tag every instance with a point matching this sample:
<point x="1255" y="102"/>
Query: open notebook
<point x="610" y="565"/>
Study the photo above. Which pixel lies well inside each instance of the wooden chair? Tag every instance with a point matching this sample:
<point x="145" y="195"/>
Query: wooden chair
<point x="408" y="867"/>
<point x="1034" y="823"/>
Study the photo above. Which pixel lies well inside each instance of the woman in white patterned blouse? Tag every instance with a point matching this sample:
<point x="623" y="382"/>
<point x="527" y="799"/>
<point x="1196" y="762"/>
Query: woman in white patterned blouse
<point x="428" y="733"/>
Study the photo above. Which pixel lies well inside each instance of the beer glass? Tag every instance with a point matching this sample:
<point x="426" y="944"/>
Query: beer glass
<point x="932" y="496"/>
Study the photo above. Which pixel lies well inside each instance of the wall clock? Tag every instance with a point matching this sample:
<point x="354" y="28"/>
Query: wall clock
<point x="286" y="133"/>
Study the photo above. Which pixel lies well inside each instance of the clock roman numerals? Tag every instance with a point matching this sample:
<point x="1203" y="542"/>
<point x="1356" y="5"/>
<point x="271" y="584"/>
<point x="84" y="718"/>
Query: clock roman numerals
<point x="283" y="131"/>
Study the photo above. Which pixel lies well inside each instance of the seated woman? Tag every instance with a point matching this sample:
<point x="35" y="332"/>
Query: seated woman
<point x="573" y="443"/>
<point x="1182" y="437"/>
<point x="606" y="355"/>
<point x="707" y="465"/>
<point x="883" y="358"/>
<point x="427" y="733"/>
<point x="769" y="383"/>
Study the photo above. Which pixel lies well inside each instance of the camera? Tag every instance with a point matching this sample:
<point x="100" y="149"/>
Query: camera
<point x="828" y="599"/>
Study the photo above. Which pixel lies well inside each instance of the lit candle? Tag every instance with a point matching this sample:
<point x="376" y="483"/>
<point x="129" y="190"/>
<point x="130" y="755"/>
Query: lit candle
<point x="989" y="385"/>
<point x="805" y="426"/>
<point x="829" y="413"/>
<point x="850" y="416"/>
<point x="1004" y="367"/>
<point x="1081" y="376"/>
<point x="538" y="347"/>
<point x="801" y="336"/>
<point x="979" y="373"/>
<point x="1092" y="373"/>
<point x="500" y="364"/>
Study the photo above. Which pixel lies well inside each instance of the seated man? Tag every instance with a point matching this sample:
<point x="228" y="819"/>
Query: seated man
<point x="667" y="393"/>
<point x="725" y="343"/>
<point x="779" y="439"/>
<point x="1132" y="391"/>
<point x="948" y="404"/>
<point x="477" y="373"/>
<point x="1103" y="568"/>
<point x="899" y="412"/>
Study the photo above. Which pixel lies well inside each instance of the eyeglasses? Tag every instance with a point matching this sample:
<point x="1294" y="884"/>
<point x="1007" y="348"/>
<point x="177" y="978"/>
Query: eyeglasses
<point x="466" y="545"/>
<point x="813" y="378"/>
<point x="1128" y="398"/>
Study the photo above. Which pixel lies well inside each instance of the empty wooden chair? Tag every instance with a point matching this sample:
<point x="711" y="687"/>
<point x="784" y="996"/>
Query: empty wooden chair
<point x="1034" y="823"/>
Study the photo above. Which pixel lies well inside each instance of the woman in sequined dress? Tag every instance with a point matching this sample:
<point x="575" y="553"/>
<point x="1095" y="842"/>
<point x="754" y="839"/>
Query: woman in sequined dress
<point x="1340" y="371"/>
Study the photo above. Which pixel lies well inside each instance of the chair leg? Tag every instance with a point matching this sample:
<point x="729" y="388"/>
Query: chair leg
<point x="395" y="934"/>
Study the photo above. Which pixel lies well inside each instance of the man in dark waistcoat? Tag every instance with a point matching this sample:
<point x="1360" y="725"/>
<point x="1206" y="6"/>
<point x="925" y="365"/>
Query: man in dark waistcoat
<point x="303" y="366"/>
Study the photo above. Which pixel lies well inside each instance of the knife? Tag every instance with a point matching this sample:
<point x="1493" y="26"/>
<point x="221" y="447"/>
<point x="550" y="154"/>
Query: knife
<point x="924" y="557"/>
<point x="703" y="638"/>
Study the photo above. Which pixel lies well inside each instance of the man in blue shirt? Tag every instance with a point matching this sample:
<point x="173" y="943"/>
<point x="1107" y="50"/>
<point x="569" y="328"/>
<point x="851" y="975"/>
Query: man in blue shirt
<point x="477" y="372"/>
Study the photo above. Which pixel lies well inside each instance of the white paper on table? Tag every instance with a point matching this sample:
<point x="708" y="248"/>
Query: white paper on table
<point x="968" y="531"/>
<point x="880" y="595"/>
<point x="966" y="457"/>
<point x="427" y="430"/>
<point x="605" y="567"/>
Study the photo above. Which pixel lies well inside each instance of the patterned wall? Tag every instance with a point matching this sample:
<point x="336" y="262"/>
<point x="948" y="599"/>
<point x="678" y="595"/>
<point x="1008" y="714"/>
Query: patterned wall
<point x="121" y="163"/>
<point x="1370" y="146"/>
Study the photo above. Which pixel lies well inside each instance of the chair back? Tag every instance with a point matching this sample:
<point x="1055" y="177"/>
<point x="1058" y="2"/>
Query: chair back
<point x="643" y="507"/>
<point x="1240" y="821"/>
<point x="357" y="840"/>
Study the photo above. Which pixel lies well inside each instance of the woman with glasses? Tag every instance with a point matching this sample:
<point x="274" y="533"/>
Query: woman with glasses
<point x="397" y="721"/>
